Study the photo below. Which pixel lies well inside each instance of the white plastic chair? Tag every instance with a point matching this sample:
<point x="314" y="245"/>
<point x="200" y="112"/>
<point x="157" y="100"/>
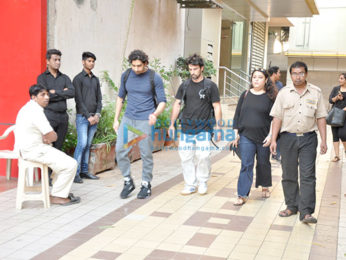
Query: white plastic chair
<point x="28" y="166"/>
<point x="13" y="154"/>
<point x="8" y="154"/>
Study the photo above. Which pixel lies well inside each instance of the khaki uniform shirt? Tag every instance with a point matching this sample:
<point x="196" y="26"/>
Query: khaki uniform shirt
<point x="31" y="125"/>
<point x="298" y="113"/>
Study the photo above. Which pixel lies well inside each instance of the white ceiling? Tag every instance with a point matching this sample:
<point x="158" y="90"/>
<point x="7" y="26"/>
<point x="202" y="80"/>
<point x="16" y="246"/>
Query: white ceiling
<point x="263" y="10"/>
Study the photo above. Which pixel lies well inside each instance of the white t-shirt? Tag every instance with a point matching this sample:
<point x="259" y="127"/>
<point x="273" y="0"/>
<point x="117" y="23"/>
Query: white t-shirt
<point x="31" y="125"/>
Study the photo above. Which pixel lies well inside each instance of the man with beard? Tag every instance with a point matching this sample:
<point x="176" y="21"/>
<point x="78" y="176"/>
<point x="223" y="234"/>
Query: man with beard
<point x="144" y="90"/>
<point x="200" y="99"/>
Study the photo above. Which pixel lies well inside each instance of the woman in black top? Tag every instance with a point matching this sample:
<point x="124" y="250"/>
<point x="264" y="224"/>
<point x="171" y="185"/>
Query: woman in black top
<point x="338" y="99"/>
<point x="252" y="123"/>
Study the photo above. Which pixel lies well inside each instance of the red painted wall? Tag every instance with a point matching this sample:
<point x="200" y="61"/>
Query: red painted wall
<point x="23" y="45"/>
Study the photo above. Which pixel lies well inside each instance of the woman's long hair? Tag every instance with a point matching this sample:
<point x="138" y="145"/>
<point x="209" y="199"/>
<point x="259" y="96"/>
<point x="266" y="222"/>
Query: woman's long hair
<point x="269" y="87"/>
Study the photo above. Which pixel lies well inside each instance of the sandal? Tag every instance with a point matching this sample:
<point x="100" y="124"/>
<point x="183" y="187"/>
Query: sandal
<point x="336" y="158"/>
<point x="308" y="219"/>
<point x="286" y="213"/>
<point x="265" y="193"/>
<point x="240" y="201"/>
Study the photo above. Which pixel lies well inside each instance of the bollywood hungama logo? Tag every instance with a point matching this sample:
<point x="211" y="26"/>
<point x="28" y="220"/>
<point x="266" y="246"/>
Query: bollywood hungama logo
<point x="227" y="133"/>
<point x="140" y="135"/>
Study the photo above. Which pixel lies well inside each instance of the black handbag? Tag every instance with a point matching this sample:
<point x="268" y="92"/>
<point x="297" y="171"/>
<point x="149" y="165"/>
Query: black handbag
<point x="336" y="117"/>
<point x="236" y="150"/>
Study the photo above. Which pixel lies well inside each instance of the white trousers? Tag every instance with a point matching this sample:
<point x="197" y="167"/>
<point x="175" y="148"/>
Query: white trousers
<point x="63" y="166"/>
<point x="194" y="152"/>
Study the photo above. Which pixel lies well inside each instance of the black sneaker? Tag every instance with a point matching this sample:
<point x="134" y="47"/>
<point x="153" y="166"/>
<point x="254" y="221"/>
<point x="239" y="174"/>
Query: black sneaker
<point x="145" y="191"/>
<point x="77" y="179"/>
<point x="129" y="186"/>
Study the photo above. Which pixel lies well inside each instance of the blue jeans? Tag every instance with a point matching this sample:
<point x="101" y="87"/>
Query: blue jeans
<point x="85" y="135"/>
<point x="248" y="150"/>
<point x="125" y="135"/>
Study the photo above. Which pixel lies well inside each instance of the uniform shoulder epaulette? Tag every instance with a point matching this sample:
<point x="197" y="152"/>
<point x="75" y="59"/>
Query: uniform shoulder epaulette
<point x="314" y="87"/>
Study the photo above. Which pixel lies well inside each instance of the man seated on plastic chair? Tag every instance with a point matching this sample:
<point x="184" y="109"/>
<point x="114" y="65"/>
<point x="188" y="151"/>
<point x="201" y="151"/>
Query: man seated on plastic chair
<point x="34" y="136"/>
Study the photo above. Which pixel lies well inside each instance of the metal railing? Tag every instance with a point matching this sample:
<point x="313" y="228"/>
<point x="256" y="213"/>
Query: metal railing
<point x="233" y="83"/>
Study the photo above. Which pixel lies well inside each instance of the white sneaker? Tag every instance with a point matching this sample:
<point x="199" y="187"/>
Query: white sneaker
<point x="188" y="190"/>
<point x="202" y="188"/>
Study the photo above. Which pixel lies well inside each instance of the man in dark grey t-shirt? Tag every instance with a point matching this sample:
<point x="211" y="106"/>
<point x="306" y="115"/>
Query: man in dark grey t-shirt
<point x="201" y="100"/>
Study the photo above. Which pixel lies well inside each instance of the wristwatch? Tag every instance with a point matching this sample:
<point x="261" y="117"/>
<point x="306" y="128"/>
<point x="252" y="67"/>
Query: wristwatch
<point x="98" y="115"/>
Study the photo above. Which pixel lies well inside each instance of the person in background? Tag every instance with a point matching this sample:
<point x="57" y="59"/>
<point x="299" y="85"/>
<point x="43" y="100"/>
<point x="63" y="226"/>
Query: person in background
<point x="252" y="124"/>
<point x="60" y="89"/>
<point x="88" y="99"/>
<point x="338" y="99"/>
<point x="34" y="136"/>
<point x="275" y="74"/>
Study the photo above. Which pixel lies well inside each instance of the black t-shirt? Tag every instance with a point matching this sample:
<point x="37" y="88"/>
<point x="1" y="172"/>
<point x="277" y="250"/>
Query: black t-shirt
<point x="197" y="114"/>
<point x="252" y="117"/>
<point x="340" y="103"/>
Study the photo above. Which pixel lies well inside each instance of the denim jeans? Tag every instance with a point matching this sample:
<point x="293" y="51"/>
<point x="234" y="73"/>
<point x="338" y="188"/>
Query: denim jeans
<point x="125" y="135"/>
<point x="248" y="150"/>
<point x="85" y="135"/>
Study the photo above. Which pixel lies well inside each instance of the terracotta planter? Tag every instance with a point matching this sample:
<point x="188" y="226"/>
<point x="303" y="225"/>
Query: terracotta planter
<point x="159" y="141"/>
<point x="101" y="158"/>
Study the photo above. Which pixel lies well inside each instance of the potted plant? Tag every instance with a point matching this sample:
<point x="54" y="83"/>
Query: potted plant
<point x="102" y="150"/>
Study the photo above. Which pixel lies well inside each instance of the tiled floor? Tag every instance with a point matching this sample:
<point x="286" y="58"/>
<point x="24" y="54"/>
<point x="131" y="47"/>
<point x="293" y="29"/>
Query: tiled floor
<point x="171" y="226"/>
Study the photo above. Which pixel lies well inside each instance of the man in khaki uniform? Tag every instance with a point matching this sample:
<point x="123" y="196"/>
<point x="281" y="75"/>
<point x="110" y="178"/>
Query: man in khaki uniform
<point x="299" y="111"/>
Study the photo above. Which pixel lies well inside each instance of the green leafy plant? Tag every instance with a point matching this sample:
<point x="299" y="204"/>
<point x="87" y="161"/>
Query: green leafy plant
<point x="166" y="74"/>
<point x="105" y="132"/>
<point x="70" y="142"/>
<point x="107" y="79"/>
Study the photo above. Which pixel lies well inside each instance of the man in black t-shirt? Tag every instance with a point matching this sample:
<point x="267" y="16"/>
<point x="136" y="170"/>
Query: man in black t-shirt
<point x="200" y="100"/>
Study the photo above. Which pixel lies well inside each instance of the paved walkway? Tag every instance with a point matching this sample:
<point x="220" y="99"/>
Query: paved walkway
<point x="171" y="226"/>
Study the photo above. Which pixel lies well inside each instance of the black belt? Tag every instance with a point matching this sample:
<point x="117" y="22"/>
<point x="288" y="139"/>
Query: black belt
<point x="299" y="134"/>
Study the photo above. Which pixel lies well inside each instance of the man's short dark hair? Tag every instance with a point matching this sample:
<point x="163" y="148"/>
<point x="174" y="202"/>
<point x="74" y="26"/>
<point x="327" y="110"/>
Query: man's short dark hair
<point x="138" y="55"/>
<point x="87" y="55"/>
<point x="51" y="52"/>
<point x="195" y="59"/>
<point x="299" y="64"/>
<point x="273" y="70"/>
<point x="34" y="90"/>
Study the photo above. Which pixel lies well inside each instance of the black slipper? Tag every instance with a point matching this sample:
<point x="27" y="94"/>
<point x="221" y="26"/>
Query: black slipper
<point x="309" y="220"/>
<point x="73" y="200"/>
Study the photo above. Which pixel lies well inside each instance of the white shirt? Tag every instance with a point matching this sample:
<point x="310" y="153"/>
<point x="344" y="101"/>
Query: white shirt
<point x="31" y="125"/>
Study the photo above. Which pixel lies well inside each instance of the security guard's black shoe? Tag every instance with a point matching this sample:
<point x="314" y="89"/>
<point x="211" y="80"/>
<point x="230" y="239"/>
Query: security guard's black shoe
<point x="87" y="175"/>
